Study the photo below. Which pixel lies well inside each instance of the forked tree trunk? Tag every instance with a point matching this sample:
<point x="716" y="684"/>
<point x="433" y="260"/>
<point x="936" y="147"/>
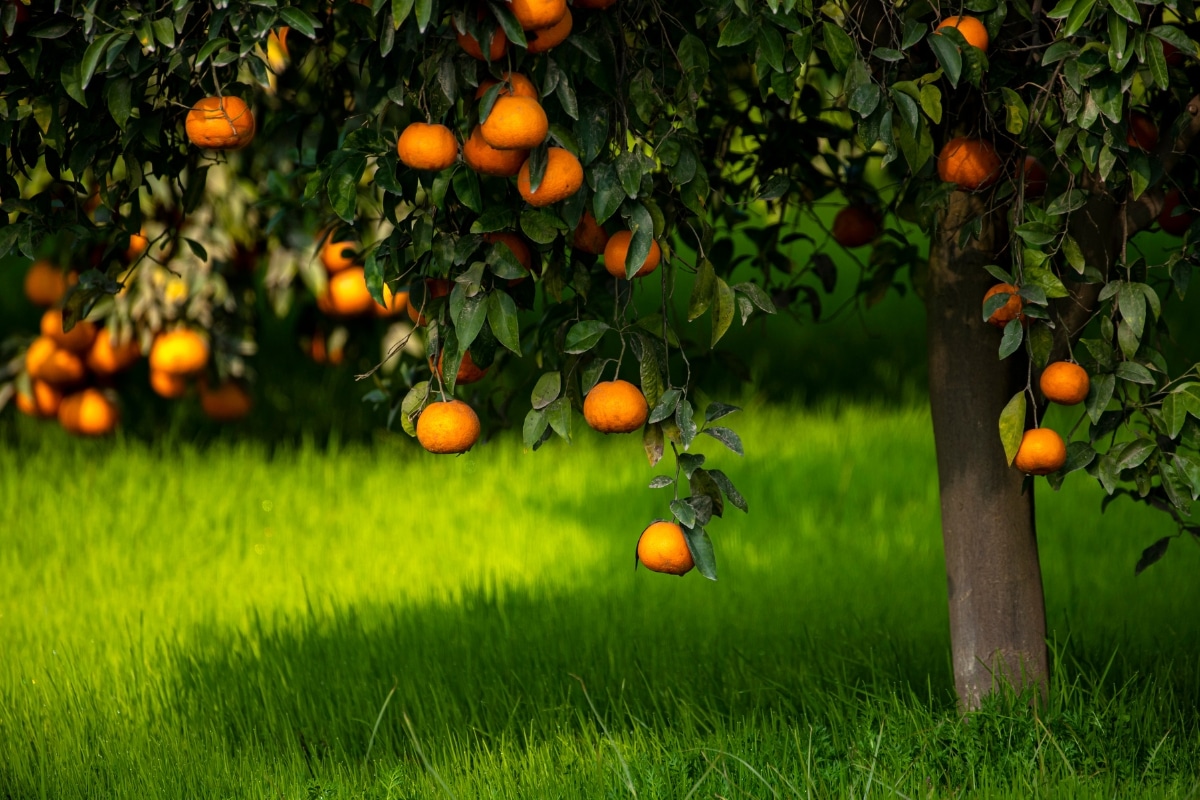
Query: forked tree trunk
<point x="997" y="610"/>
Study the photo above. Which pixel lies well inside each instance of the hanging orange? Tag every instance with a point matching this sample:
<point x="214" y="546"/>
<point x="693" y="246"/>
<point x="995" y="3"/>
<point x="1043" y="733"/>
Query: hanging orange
<point x="970" y="163"/>
<point x="563" y="177"/>
<point x="220" y="123"/>
<point x="427" y="146"/>
<point x="487" y="160"/>
<point x="542" y="40"/>
<point x="515" y="123"/>
<point x="617" y="249"/>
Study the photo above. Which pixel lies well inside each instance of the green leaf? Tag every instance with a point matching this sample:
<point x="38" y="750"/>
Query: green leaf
<point x="502" y="317"/>
<point x="412" y="403"/>
<point x="1174" y="413"/>
<point x="770" y="46"/>
<point x="1073" y="254"/>
<point x="684" y="419"/>
<point x="1016" y="110"/>
<point x="730" y="491"/>
<point x="424" y="13"/>
<point x="1134" y="454"/>
<point x="497" y="217"/>
<point x="470" y="318"/>
<point x="702" y="290"/>
<point x="667" y="404"/>
<point x="583" y="336"/>
<point x="343" y="186"/>
<point x="702" y="484"/>
<point x="1012" y="425"/>
<point x="948" y="55"/>
<point x="1080" y="12"/>
<point x="546" y="390"/>
<point x="1045" y="280"/>
<point x="1126" y="9"/>
<point x="1010" y="342"/>
<point x="300" y="21"/>
<point x="118" y="94"/>
<point x="1151" y="555"/>
<point x="722" y="316"/>
<point x="609" y="193"/>
<point x="541" y="225"/>
<point x="931" y="102"/>
<point x="1041" y="342"/>
<point x="738" y="30"/>
<point x="726" y="437"/>
<point x="91" y="58"/>
<point x="701" y="548"/>
<point x="661" y="482"/>
<point x="839" y="45"/>
<point x="558" y="414"/>
<point x="652" y="443"/>
<point x="534" y="428"/>
<point x="684" y="513"/>
<point x="1100" y="392"/>
<point x="466" y="188"/>
<point x="1134" y="373"/>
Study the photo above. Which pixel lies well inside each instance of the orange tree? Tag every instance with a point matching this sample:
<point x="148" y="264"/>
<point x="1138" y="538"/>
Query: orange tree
<point x="485" y="156"/>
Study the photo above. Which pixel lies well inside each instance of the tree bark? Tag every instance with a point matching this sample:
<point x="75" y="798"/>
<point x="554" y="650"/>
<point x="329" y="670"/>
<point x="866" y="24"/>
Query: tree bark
<point x="994" y="579"/>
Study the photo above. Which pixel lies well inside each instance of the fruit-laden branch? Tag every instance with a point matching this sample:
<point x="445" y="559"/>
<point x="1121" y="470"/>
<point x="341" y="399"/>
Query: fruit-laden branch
<point x="1104" y="226"/>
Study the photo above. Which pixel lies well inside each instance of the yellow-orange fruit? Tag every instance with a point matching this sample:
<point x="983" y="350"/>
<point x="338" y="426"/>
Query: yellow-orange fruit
<point x="972" y="29"/>
<point x="518" y="86"/>
<point x="105" y="358"/>
<point x="540" y="41"/>
<point x="220" y="123"/>
<point x="855" y="226"/>
<point x="1042" y="451"/>
<point x="137" y="245"/>
<point x="615" y="407"/>
<point x="536" y="14"/>
<point x="45" y="284"/>
<point x="179" y="352"/>
<point x="468" y="372"/>
<point x="487" y="160"/>
<point x="617" y="249"/>
<point x="337" y="256"/>
<point x="88" y="413"/>
<point x="168" y="384"/>
<point x="563" y="177"/>
<point x="425" y="146"/>
<point x="663" y="548"/>
<point x="970" y="163"/>
<point x="77" y="340"/>
<point x="449" y="426"/>
<point x="347" y="294"/>
<point x="38" y="353"/>
<point x="228" y="402"/>
<point x="1065" y="383"/>
<point x="42" y="403"/>
<point x="394" y="303"/>
<point x="516" y="123"/>
<point x="471" y="46"/>
<point x="589" y="236"/>
<point x="1010" y="310"/>
<point x="62" y="368"/>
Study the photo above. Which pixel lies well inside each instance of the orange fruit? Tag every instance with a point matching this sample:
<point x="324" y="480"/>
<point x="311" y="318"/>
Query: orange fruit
<point x="43" y="403"/>
<point x="228" y="402"/>
<point x="337" y="256"/>
<point x="347" y="294"/>
<point x="970" y="163"/>
<point x="1010" y="310"/>
<point x="971" y="28"/>
<point x="277" y="49"/>
<point x="516" y="123"/>
<point x="487" y="160"/>
<point x="855" y="226"/>
<point x="516" y="244"/>
<point x="60" y="368"/>
<point x="615" y="407"/>
<point x="518" y="86"/>
<point x="105" y="358"/>
<point x="320" y="352"/>
<point x="542" y="40"/>
<point x="1143" y="133"/>
<point x="1035" y="177"/>
<point x="88" y="413"/>
<point x="77" y="340"/>
<point x="38" y="353"/>
<point x="536" y="14"/>
<point x="168" y="384"/>
<point x="1065" y="383"/>
<point x="137" y="245"/>
<point x="45" y="284"/>
<point x="425" y="146"/>
<point x="449" y="426"/>
<point x="589" y="236"/>
<point x="618" y="248"/>
<point x="1042" y="451"/>
<point x="395" y="303"/>
<point x="468" y="372"/>
<point x="179" y="352"/>
<point x="471" y="46"/>
<point x="220" y="123"/>
<point x="563" y="177"/>
<point x="434" y="288"/>
<point x="663" y="548"/>
<point x="1168" y="220"/>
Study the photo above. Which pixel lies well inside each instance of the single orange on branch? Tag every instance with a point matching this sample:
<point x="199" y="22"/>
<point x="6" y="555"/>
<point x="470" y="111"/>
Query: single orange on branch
<point x="590" y="236"/>
<point x="427" y="146"/>
<point x="515" y="84"/>
<point x="108" y="358"/>
<point x="1010" y="310"/>
<point x="78" y="340"/>
<point x="615" y="407"/>
<point x="337" y="255"/>
<point x="220" y="123"/>
<point x="487" y="160"/>
<point x="616" y="253"/>
<point x="448" y="426"/>
<point x="1042" y="451"/>
<point x="45" y="284"/>
<point x="347" y="295"/>
<point x="562" y="178"/>
<point x="88" y="413"/>
<point x="1065" y="383"/>
<point x="179" y="352"/>
<point x="855" y="226"/>
<point x="969" y="163"/>
<point x="515" y="123"/>
<point x="971" y="28"/>
<point x="540" y="41"/>
<point x="228" y="402"/>
<point x="537" y="14"/>
<point x="662" y="547"/>
<point x="468" y="371"/>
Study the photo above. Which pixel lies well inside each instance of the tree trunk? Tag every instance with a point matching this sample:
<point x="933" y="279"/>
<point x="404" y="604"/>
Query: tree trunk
<point x="997" y="610"/>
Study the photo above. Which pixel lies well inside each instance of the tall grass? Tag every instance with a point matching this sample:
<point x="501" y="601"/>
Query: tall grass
<point x="376" y="622"/>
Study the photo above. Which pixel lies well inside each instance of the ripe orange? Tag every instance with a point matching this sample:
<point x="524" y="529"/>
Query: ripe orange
<point x="1168" y="220"/>
<point x="105" y="358"/>
<point x="615" y="407"/>
<point x="179" y="352"/>
<point x="320" y="352"/>
<point x="137" y="245"/>
<point x="487" y="160"/>
<point x="277" y="50"/>
<point x="60" y="368"/>
<point x="1065" y="383"/>
<point x="1042" y="451"/>
<point x="220" y="123"/>
<point x="518" y="86"/>
<point x="537" y="14"/>
<point x="77" y="340"/>
<point x="516" y="123"/>
<point x="38" y="353"/>
<point x="425" y="146"/>
<point x="88" y="413"/>
<point x="45" y="284"/>
<point x="337" y="256"/>
<point x="971" y="28"/>
<point x="434" y="288"/>
<point x="347" y="294"/>
<point x="970" y="163"/>
<point x="468" y="372"/>
<point x="395" y="303"/>
<point x="1143" y="133"/>
<point x="228" y="402"/>
<point x="168" y="384"/>
<point x="516" y="244"/>
<point x="563" y="177"/>
<point x="1035" y="177"/>
<point x="617" y="249"/>
<point x="589" y="237"/>
<point x="42" y="403"/>
<point x="471" y="46"/>
<point x="542" y="40"/>
<point x="855" y="226"/>
<point x="449" y="426"/>
<point x="1010" y="310"/>
<point x="663" y="548"/>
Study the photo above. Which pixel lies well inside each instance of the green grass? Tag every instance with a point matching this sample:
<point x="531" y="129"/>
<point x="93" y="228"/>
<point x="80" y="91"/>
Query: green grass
<point x="229" y="622"/>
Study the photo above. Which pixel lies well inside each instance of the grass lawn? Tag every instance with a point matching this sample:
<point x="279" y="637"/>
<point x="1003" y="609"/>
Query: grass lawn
<point x="234" y="622"/>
